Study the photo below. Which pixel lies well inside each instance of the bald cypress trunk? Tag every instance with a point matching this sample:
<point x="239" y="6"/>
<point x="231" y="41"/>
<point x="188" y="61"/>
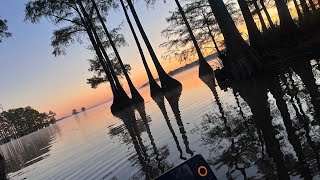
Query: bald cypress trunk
<point x="240" y="57"/>
<point x="135" y="94"/>
<point x="267" y="14"/>
<point x="253" y="31"/>
<point x="214" y="41"/>
<point x="99" y="43"/>
<point x="204" y="67"/>
<point x="154" y="87"/>
<point x="312" y="5"/>
<point x="121" y="99"/>
<point x="263" y="24"/>
<point x="99" y="54"/>
<point x="287" y="24"/>
<point x="300" y="16"/>
<point x="167" y="82"/>
<point x="305" y="7"/>
<point x="206" y="23"/>
<point x="210" y="34"/>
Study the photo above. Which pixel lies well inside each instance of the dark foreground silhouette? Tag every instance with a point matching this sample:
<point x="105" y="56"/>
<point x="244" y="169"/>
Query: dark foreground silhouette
<point x="2" y="168"/>
<point x="255" y="140"/>
<point x="131" y="124"/>
<point x="281" y="83"/>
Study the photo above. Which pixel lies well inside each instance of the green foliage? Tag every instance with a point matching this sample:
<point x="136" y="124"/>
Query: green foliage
<point x="21" y="121"/>
<point x="4" y="30"/>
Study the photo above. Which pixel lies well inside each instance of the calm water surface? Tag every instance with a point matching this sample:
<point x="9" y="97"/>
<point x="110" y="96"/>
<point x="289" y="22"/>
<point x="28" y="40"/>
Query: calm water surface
<point x="258" y="129"/>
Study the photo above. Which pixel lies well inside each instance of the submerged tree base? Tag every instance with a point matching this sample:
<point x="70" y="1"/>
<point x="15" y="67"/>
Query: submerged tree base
<point x="243" y="67"/>
<point x="204" y="68"/>
<point x="121" y="101"/>
<point x="136" y="97"/>
<point x="155" y="89"/>
<point x="168" y="83"/>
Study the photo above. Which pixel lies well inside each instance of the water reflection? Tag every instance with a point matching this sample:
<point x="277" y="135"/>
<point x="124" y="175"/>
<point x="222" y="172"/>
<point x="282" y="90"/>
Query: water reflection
<point x="128" y="117"/>
<point x="269" y="131"/>
<point x="151" y="166"/>
<point x="236" y="155"/>
<point x="29" y="149"/>
<point x="246" y="139"/>
<point x="303" y="68"/>
<point x="301" y="127"/>
<point x="159" y="99"/>
<point x="173" y="98"/>
<point x="262" y="128"/>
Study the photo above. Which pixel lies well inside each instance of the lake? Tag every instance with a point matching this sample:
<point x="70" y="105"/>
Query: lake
<point x="260" y="128"/>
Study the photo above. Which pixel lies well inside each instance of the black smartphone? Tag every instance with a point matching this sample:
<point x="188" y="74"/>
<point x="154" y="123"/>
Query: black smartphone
<point x="195" y="168"/>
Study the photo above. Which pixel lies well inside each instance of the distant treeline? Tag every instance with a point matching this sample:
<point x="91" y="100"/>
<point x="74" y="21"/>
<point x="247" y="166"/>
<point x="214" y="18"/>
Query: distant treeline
<point x="191" y="65"/>
<point x="185" y="67"/>
<point x="15" y="123"/>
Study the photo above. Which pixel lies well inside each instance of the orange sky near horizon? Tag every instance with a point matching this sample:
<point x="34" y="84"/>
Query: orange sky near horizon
<point x="103" y="93"/>
<point x="59" y="84"/>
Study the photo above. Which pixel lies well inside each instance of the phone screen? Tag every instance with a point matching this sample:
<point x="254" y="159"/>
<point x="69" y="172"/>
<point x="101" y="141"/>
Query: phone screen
<point x="193" y="169"/>
<point x="181" y="172"/>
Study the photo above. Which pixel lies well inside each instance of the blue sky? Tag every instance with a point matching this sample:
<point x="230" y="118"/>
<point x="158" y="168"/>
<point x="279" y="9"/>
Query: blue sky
<point x="31" y="76"/>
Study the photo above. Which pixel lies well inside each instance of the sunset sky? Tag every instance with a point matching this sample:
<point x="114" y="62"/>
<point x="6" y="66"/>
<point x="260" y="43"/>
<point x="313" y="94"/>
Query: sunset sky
<point x="31" y="76"/>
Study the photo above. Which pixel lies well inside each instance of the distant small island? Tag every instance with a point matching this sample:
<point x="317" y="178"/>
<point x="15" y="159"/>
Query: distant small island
<point x="184" y="68"/>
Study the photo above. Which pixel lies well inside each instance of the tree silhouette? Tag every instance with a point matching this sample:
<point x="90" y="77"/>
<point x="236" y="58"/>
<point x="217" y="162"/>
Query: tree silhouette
<point x="18" y="122"/>
<point x="135" y="94"/>
<point x="255" y="36"/>
<point x="286" y="22"/>
<point x="206" y="23"/>
<point x="258" y="11"/>
<point x="121" y="99"/>
<point x="167" y="83"/>
<point x="2" y="168"/>
<point x="154" y="87"/>
<point x="204" y="27"/>
<point x="204" y="67"/>
<point x="4" y="30"/>
<point x="99" y="75"/>
<point x="241" y="61"/>
<point x="296" y="5"/>
<point x="312" y="5"/>
<point x="75" y="13"/>
<point x="74" y="112"/>
<point x="265" y="10"/>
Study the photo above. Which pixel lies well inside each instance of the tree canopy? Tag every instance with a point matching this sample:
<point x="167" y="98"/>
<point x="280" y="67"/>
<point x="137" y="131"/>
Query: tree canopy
<point x="65" y="15"/>
<point x="4" y="30"/>
<point x="200" y="17"/>
<point x="18" y="122"/>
